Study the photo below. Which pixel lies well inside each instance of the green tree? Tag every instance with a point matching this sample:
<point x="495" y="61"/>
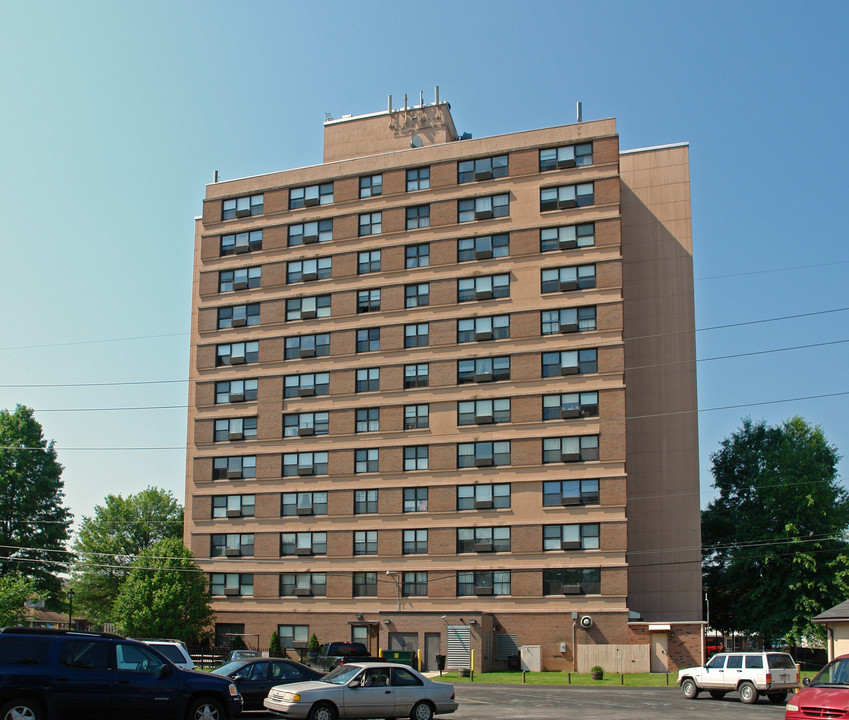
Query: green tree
<point x="15" y="590"/>
<point x="274" y="649"/>
<point x="774" y="549"/>
<point x="108" y="542"/>
<point x="34" y="525"/>
<point x="165" y="595"/>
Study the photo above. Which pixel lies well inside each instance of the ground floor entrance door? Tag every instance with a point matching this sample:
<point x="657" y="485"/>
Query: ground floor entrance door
<point x="433" y="642"/>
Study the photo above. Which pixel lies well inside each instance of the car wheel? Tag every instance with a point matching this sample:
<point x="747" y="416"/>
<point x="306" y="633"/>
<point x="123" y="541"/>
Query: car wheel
<point x="690" y="689"/>
<point x="748" y="693"/>
<point x="422" y="711"/>
<point x="21" y="709"/>
<point x="205" y="708"/>
<point x="322" y="711"/>
<point x="777" y="697"/>
<point x="717" y="694"/>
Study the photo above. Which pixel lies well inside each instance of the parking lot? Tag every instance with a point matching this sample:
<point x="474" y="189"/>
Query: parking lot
<point x="539" y="702"/>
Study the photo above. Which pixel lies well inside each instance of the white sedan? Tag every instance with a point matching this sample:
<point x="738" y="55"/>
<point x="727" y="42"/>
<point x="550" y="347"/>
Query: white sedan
<point x="363" y="690"/>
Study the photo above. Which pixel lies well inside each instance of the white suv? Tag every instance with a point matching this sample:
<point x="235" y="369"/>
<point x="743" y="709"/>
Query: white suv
<point x="750" y="674"/>
<point x="174" y="650"/>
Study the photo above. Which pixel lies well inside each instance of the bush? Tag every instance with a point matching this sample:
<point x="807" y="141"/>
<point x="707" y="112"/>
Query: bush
<point x="274" y="649"/>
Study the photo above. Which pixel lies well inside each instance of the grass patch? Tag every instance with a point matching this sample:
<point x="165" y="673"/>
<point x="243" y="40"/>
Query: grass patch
<point x="564" y="678"/>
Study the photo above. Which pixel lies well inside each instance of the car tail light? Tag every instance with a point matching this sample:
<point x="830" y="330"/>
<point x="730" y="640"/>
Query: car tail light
<point x="768" y="678"/>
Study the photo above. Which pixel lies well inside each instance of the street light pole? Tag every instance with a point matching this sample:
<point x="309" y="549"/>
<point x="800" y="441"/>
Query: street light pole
<point x="70" y="608"/>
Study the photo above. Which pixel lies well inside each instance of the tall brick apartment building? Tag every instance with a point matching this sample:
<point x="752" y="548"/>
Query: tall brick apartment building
<point x="443" y="397"/>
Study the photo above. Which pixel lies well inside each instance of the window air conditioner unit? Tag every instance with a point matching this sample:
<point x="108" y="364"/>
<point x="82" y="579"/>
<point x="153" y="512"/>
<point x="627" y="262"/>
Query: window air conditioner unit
<point x="483" y="504"/>
<point x="566" y="204"/>
<point x="570" y="545"/>
<point x="237" y="397"/>
<point x="484" y="377"/>
<point x="302" y="592"/>
<point x="483" y="254"/>
<point x="483" y="335"/>
<point x="306" y="471"/>
<point x="235" y="435"/>
<point x="306" y="431"/>
<point x="569" y="370"/>
<point x="310" y="239"/>
<point x="566" y="163"/>
<point x="306" y="391"/>
<point x="484" y="419"/>
<point x="483" y="590"/>
<point x="589" y="410"/>
<point x="483" y="547"/>
<point x="570" y="457"/>
<point x="234" y="474"/>
<point x="569" y="413"/>
<point x="303" y="551"/>
<point x="243" y="212"/>
<point x="231" y="591"/>
<point x="568" y="328"/>
<point x="483" y="214"/>
<point x="307" y="276"/>
<point x="234" y="513"/>
<point x="304" y="511"/>
<point x="237" y="359"/>
<point x="242" y="245"/>
<point x="483" y="174"/>
<point x="311" y="201"/>
<point x="567" y="244"/>
<point x="566" y="285"/>
<point x="308" y="314"/>
<point x="240" y="284"/>
<point x="571" y="589"/>
<point x="483" y="294"/>
<point x="484" y="462"/>
<point x="570" y="501"/>
<point x="306" y="352"/>
<point x="232" y="552"/>
<point x="240" y="322"/>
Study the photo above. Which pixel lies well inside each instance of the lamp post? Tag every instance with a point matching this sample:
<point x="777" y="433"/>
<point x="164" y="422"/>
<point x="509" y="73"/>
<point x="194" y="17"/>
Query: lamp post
<point x="70" y="608"/>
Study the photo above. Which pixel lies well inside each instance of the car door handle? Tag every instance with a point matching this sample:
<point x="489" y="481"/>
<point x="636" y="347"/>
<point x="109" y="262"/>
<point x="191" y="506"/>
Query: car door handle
<point x="386" y="692"/>
<point x="124" y="681"/>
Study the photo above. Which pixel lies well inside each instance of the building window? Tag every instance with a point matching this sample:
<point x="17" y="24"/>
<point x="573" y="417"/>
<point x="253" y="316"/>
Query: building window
<point x="483" y="539"/>
<point x="483" y="370"/>
<point x="307" y="346"/>
<point x="235" y="391"/>
<point x="304" y="463"/>
<point x="483" y="412"/>
<point x="483" y="208"/>
<point x="225" y="632"/>
<point x="237" y="353"/>
<point x="371" y="185"/>
<point x="234" y="545"/>
<point x="571" y="581"/>
<point x="368" y="262"/>
<point x="303" y="543"/>
<point x="417" y="295"/>
<point x="416" y="335"/>
<point x="415" y="542"/>
<point x="416" y="375"/>
<point x="566" y="196"/>
<point x="418" y="217"/>
<point x="303" y="585"/>
<point x="308" y="308"/>
<point x="483" y="454"/>
<point x="483" y="328"/>
<point x="306" y="385"/>
<point x="417" y="255"/>
<point x="368" y="380"/>
<point x="238" y="316"/>
<point x="579" y="277"/>
<point x="371" y="224"/>
<point x="303" y="503"/>
<point x="368" y="340"/>
<point x="368" y="301"/>
<point x="311" y="195"/>
<point x="568" y="320"/>
<point x="566" y="237"/>
<point x="365" y="542"/>
<point x="307" y="270"/>
<point x="242" y="207"/>
<point x="365" y="502"/>
<point x="418" y="179"/>
<point x="569" y="362"/>
<point x="224" y="506"/>
<point x="416" y="417"/>
<point x="483" y="287"/>
<point x="318" y="231"/>
<point x="483" y="248"/>
<point x="566" y="156"/>
<point x="482" y="169"/>
<point x="414" y="584"/>
<point x="235" y="429"/>
<point x="365" y="584"/>
<point x="234" y="468"/>
<point x="570" y="492"/>
<point x="238" y="584"/>
<point x="368" y="420"/>
<point x="570" y="537"/>
<point x="242" y="242"/>
<point x="416" y="457"/>
<point x="483" y="497"/>
<point x="366" y="461"/>
<point x="415" y="499"/>
<point x="483" y="582"/>
<point x="306" y="424"/>
<point x="570" y="449"/>
<point x="291" y="634"/>
<point x="570" y="405"/>
<point x="244" y="279"/>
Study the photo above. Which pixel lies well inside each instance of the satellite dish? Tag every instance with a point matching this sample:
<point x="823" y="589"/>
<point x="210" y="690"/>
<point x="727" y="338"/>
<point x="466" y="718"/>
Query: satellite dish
<point x="415" y="141"/>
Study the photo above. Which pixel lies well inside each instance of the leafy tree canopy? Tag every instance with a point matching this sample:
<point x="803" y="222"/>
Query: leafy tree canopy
<point x="775" y="553"/>
<point x="15" y="590"/>
<point x="109" y="542"/>
<point x="165" y="595"/>
<point x="34" y="525"/>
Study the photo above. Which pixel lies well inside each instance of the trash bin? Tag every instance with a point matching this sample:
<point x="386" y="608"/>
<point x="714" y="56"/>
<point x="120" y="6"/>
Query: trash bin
<point x="440" y="663"/>
<point x="406" y="657"/>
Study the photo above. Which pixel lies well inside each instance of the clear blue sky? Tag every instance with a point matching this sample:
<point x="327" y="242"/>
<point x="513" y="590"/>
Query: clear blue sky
<point x="113" y="116"/>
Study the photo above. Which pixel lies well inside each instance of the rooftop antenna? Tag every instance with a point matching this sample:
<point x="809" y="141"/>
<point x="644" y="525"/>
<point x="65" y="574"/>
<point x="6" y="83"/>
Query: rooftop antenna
<point x="580" y="112"/>
<point x="436" y="94"/>
<point x="215" y="176"/>
<point x="389" y="103"/>
<point x="421" y="98"/>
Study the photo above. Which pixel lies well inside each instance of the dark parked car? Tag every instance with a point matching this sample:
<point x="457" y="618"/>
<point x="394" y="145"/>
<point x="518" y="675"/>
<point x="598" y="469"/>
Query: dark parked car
<point x="242" y="655"/>
<point x="61" y="674"/>
<point x="255" y="678"/>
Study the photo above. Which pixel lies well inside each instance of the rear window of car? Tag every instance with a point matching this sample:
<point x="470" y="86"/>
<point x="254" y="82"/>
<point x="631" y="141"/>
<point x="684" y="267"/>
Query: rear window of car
<point x="348" y="650"/>
<point x="780" y="661"/>
<point x="754" y="661"/>
<point x="23" y="650"/>
<point x="172" y="652"/>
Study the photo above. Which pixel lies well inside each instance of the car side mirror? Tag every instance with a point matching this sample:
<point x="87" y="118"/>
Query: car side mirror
<point x="239" y="678"/>
<point x="354" y="683"/>
<point x="806" y="682"/>
<point x="164" y="671"/>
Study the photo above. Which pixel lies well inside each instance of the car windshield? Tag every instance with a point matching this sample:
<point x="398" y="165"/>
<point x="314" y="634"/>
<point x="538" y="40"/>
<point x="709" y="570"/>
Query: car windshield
<point x="228" y="668"/>
<point x="835" y="673"/>
<point x="341" y="675"/>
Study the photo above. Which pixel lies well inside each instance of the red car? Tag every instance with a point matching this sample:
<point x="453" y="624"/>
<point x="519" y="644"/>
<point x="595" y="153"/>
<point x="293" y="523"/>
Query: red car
<point x="826" y="696"/>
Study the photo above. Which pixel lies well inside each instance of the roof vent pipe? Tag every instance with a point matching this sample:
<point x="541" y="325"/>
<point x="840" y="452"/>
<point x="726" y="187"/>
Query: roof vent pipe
<point x="580" y="112"/>
<point x="436" y="94"/>
<point x="389" y="103"/>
